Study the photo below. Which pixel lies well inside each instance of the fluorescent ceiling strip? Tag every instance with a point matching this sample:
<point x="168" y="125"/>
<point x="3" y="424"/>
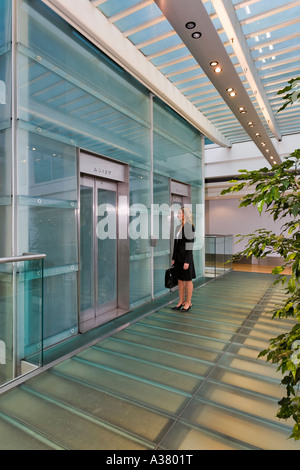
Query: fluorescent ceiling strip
<point x="272" y="28"/>
<point x="142" y="26"/>
<point x="245" y="3"/>
<point x="271" y="42"/>
<point x="129" y="11"/>
<point x="230" y="22"/>
<point x="278" y="53"/>
<point x="268" y="13"/>
<point x="155" y="39"/>
<point x="165" y="51"/>
<point x="81" y="14"/>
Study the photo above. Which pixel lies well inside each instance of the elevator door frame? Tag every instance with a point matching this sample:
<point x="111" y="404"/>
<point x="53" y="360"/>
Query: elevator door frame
<point x="98" y="309"/>
<point x="113" y="175"/>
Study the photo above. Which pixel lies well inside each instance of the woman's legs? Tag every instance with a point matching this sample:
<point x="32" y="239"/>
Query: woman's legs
<point x="181" y="291"/>
<point x="189" y="292"/>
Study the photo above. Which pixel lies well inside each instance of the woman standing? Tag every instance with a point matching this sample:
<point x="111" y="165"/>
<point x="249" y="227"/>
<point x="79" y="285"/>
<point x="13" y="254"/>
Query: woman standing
<point x="183" y="258"/>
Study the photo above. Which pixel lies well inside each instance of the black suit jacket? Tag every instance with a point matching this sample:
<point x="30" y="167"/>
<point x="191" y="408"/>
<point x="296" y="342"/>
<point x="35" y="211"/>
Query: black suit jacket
<point x="183" y="244"/>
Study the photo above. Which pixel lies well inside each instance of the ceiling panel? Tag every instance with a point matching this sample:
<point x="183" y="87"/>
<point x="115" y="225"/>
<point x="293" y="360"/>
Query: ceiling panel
<point x="269" y="44"/>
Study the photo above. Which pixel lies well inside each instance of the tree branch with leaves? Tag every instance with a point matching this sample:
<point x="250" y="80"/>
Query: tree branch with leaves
<point x="277" y="191"/>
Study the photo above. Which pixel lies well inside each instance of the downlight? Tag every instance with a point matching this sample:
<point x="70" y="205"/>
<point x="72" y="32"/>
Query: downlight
<point x="196" y="35"/>
<point x="190" y="25"/>
<point x="215" y="64"/>
<point x="231" y="91"/>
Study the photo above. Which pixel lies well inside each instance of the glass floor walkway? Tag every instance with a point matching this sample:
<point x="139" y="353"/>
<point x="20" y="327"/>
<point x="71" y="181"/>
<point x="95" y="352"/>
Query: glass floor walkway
<point x="168" y="381"/>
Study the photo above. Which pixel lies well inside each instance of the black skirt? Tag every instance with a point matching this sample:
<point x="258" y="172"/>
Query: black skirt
<point x="184" y="274"/>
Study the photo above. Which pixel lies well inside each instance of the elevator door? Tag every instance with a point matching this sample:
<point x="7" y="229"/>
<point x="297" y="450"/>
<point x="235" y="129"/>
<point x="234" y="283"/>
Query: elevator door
<point x="98" y="251"/>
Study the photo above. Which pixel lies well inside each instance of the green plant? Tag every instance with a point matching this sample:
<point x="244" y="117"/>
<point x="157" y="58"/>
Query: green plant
<point x="278" y="191"/>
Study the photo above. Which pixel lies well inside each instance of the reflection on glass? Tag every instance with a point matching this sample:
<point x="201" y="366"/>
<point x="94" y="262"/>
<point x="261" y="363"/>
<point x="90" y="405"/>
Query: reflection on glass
<point x="107" y="248"/>
<point x="86" y="248"/>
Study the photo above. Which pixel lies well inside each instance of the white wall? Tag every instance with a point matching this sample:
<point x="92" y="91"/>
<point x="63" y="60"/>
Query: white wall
<point x="222" y="214"/>
<point x="220" y="161"/>
<point x="225" y="217"/>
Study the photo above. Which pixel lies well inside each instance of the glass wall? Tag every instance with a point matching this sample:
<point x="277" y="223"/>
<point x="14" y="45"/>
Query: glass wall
<point x="70" y="96"/>
<point x="177" y="155"/>
<point x="21" y="289"/>
<point x="5" y="127"/>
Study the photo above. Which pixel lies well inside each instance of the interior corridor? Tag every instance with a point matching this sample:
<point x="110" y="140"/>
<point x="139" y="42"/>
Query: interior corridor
<point x="168" y="381"/>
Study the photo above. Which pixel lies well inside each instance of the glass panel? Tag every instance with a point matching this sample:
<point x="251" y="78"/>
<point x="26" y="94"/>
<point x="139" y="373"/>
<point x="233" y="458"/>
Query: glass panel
<point x="21" y="298"/>
<point x="6" y="322"/>
<point x="161" y="229"/>
<point x="5" y="124"/>
<point x="61" y="93"/>
<point x="107" y="247"/>
<point x="86" y="248"/>
<point x="30" y="298"/>
<point x="139" y="227"/>
<point x="140" y="281"/>
<point x="175" y="141"/>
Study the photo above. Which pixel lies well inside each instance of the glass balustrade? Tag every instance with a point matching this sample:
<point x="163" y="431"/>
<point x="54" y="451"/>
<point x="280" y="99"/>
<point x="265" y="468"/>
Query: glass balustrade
<point x="218" y="254"/>
<point x="21" y="316"/>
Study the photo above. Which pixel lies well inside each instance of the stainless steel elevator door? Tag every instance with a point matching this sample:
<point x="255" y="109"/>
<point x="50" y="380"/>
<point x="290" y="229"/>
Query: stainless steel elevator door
<point x="98" y="250"/>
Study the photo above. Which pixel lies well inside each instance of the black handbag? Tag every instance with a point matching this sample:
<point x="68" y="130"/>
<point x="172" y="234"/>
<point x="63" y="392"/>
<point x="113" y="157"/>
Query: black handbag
<point x="170" y="278"/>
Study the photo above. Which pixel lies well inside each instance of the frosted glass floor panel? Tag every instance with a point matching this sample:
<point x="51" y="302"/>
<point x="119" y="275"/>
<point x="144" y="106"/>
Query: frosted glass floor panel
<point x="17" y="436"/>
<point x="184" y="436"/>
<point x="240" y="400"/>
<point x="145" y="392"/>
<point x="64" y="425"/>
<point x="143" y="370"/>
<point x="126" y="416"/>
<point x="240" y="426"/>
<point x="254" y="383"/>
<point x="193" y="330"/>
<point x="172" y="346"/>
<point x="180" y="336"/>
<point x="165" y="359"/>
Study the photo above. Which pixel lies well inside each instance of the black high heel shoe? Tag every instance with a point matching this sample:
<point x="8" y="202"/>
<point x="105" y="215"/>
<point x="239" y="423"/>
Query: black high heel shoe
<point x="186" y="309"/>
<point x="178" y="307"/>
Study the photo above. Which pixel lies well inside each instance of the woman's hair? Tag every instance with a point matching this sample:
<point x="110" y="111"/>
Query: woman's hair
<point x="187" y="214"/>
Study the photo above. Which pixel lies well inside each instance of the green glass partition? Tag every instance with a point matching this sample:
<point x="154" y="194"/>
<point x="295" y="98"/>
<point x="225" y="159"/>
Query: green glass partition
<point x="5" y="125"/>
<point x="21" y="315"/>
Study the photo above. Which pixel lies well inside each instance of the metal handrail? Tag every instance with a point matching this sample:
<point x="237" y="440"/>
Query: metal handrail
<point x="24" y="257"/>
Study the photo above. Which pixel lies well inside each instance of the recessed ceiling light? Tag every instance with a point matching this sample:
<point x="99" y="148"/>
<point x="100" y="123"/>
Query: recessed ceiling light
<point x="258" y="134"/>
<point x="218" y="69"/>
<point x="263" y="144"/>
<point x="214" y="63"/>
<point x="190" y="25"/>
<point x="231" y="91"/>
<point x="196" y="35"/>
<point x="271" y="157"/>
